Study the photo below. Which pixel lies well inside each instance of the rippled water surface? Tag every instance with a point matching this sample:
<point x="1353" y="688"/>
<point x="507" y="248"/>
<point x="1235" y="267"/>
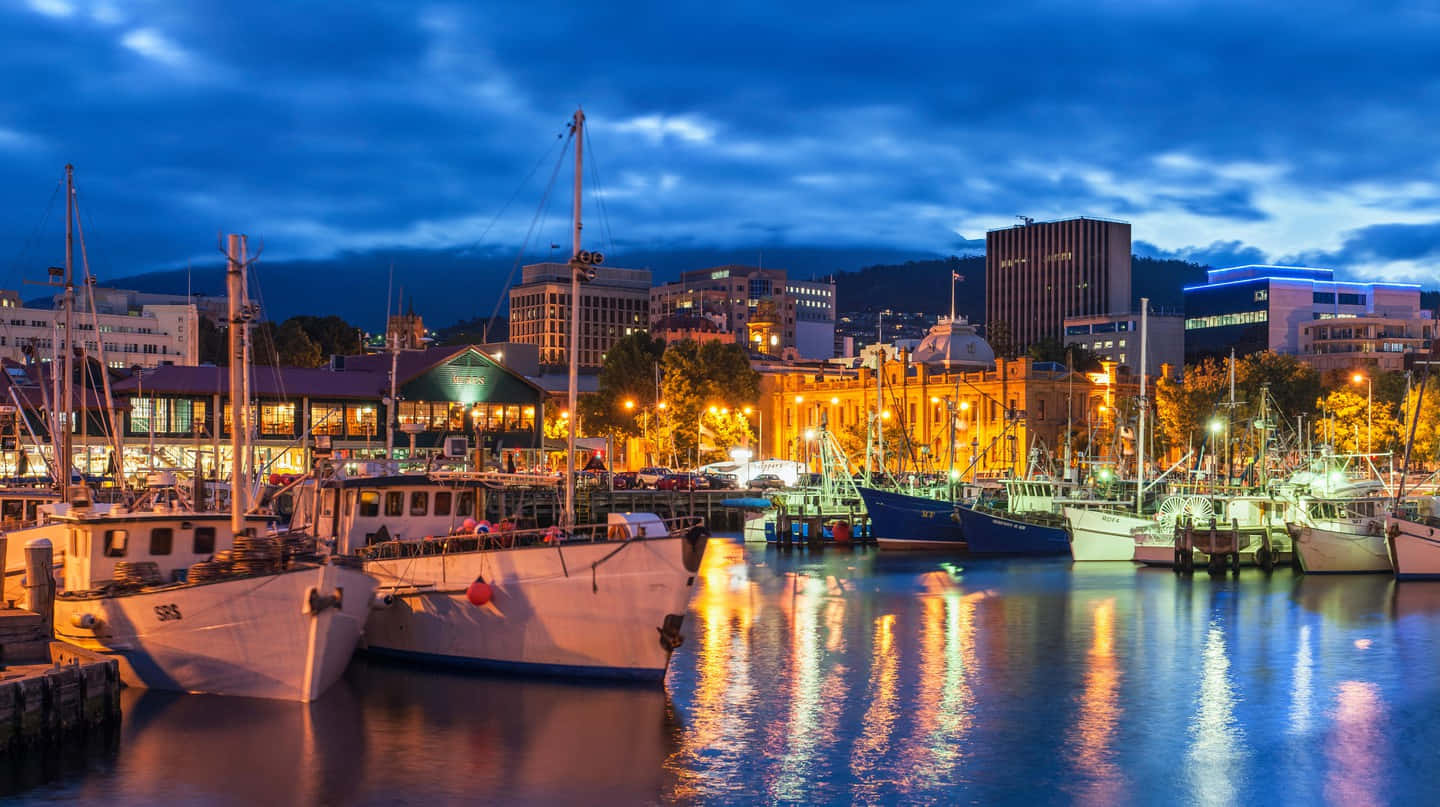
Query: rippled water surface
<point x="861" y="677"/>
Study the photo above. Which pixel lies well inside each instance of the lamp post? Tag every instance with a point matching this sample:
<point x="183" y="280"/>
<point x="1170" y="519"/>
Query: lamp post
<point x="1369" y="409"/>
<point x="644" y="431"/>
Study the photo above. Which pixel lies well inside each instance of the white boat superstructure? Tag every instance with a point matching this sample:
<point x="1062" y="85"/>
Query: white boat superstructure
<point x="1103" y="534"/>
<point x="1341" y="535"/>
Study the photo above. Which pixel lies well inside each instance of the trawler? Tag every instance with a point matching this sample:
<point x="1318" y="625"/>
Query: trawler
<point x="214" y="607"/>
<point x="604" y="600"/>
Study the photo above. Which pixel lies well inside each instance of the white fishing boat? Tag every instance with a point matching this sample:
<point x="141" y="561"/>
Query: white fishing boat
<point x="589" y="601"/>
<point x="1413" y="540"/>
<point x="1341" y="535"/>
<point x="1103" y="534"/>
<point x="256" y="620"/>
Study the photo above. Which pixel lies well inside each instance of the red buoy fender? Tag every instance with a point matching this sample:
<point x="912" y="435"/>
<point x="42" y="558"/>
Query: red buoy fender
<point x="479" y="592"/>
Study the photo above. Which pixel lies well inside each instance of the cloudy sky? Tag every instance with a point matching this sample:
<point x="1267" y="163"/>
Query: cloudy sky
<point x="1225" y="132"/>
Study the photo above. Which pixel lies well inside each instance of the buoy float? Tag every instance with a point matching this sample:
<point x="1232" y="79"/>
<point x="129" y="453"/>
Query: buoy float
<point x="552" y="535"/>
<point x="841" y="532"/>
<point x="478" y="592"/>
<point x="469" y="525"/>
<point x="482" y="527"/>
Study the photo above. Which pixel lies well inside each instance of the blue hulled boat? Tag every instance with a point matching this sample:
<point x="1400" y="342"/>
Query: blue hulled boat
<point x="898" y="521"/>
<point x="991" y="533"/>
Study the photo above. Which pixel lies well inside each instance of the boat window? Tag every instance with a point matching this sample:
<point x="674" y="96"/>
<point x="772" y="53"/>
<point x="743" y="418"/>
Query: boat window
<point x="204" y="540"/>
<point x="32" y="511"/>
<point x="116" y="542"/>
<point x="419" y="503"/>
<point x="161" y="540"/>
<point x="466" y="505"/>
<point x="394" y="503"/>
<point x="442" y="503"/>
<point x="12" y="510"/>
<point x="369" y="503"/>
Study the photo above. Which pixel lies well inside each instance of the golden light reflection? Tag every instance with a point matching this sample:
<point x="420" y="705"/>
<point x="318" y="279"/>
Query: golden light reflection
<point x="804" y="734"/>
<point x="1100" y="713"/>
<point x="1217" y="743"/>
<point x="1356" y="749"/>
<point x="879" y="722"/>
<point x="944" y="711"/>
<point x="724" y="607"/>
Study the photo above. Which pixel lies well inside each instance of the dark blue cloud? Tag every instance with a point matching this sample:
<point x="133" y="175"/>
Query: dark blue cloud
<point x="372" y="127"/>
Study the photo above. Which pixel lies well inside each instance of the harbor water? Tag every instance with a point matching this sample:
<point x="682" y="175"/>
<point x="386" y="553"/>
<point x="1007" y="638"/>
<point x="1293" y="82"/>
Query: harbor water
<point x="858" y="676"/>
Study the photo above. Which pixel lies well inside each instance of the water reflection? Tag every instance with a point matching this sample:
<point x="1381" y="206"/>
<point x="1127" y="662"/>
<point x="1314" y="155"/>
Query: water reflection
<point x="842" y="677"/>
<point x="1100" y="712"/>
<point x="1356" y="748"/>
<point x="1217" y="742"/>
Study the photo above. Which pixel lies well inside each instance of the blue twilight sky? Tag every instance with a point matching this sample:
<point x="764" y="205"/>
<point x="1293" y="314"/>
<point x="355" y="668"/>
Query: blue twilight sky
<point x="1225" y="132"/>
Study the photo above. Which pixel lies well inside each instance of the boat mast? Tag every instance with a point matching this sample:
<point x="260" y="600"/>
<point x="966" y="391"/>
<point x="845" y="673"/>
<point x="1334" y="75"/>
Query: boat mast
<point x="577" y="132"/>
<point x="239" y="319"/>
<point x="67" y="358"/>
<point x="1144" y="405"/>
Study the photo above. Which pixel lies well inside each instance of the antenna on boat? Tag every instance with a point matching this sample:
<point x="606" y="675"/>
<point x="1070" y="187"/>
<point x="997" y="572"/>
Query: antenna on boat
<point x="582" y="268"/>
<point x="240" y="314"/>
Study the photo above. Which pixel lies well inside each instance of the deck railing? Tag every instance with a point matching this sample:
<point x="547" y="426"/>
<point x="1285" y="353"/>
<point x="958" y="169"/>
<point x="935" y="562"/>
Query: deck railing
<point x="516" y="539"/>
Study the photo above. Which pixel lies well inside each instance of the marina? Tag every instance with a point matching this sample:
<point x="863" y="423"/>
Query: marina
<point x="861" y="677"/>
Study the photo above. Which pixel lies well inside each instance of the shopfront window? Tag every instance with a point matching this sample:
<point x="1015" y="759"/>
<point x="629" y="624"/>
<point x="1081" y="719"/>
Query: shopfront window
<point x="326" y="419"/>
<point x="277" y="419"/>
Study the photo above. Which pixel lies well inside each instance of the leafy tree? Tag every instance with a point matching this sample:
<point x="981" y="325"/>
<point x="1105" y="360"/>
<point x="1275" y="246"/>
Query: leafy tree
<point x="697" y="376"/>
<point x="1184" y="408"/>
<point x="628" y="374"/>
<point x="1346" y="423"/>
<point x="331" y="334"/>
<point x="1426" y="449"/>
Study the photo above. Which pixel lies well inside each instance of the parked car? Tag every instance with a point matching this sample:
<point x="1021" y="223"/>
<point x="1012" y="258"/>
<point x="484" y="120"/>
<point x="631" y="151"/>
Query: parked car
<point x="766" y="482"/>
<point x="719" y="481"/>
<point x="650" y="477"/>
<point x="626" y="480"/>
<point x="678" y="482"/>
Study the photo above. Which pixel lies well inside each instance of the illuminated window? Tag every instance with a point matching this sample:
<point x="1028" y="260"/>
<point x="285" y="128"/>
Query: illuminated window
<point x="326" y="419"/>
<point x="360" y="420"/>
<point x="277" y="418"/>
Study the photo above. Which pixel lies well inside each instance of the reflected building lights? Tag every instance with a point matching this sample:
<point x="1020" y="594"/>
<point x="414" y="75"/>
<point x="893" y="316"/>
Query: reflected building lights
<point x="879" y="721"/>
<point x="1355" y="749"/>
<point x="1302" y="684"/>
<point x="1217" y="743"/>
<point x="1100" y="713"/>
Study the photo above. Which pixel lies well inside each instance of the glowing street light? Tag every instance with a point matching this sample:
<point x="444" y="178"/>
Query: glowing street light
<point x="714" y="410"/>
<point x="629" y="404"/>
<point x="885" y="415"/>
<point x="799" y="399"/>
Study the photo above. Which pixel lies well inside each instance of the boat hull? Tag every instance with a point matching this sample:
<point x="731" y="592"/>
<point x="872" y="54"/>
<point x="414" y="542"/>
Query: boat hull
<point x="900" y="521"/>
<point x="255" y="637"/>
<point x="1101" y="535"/>
<point x="993" y="534"/>
<point x="1414" y="550"/>
<point x="585" y="609"/>
<point x="1323" y="551"/>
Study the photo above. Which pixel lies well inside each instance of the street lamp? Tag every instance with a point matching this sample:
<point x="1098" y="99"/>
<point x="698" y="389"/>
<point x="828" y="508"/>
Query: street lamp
<point x="1369" y="409"/>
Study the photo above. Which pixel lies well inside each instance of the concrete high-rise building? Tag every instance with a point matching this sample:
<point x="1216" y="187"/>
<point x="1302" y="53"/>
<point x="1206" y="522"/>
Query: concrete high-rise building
<point x="1039" y="273"/>
<point x="612" y="306"/>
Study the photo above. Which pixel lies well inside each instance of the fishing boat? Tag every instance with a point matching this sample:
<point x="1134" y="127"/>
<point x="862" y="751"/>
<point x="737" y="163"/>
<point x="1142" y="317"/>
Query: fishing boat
<point x="1103" y="534"/>
<point x="1026" y="525"/>
<point x="903" y="521"/>
<point x="258" y="618"/>
<point x="1413" y="541"/>
<point x="598" y="600"/>
<point x="1336" y="534"/>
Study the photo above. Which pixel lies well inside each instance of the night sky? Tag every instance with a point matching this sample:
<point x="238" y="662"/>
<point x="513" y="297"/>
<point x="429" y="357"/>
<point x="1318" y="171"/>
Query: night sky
<point x="1225" y="132"/>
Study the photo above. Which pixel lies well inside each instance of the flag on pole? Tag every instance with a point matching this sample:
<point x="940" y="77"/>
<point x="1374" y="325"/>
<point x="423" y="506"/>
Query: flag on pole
<point x="957" y="276"/>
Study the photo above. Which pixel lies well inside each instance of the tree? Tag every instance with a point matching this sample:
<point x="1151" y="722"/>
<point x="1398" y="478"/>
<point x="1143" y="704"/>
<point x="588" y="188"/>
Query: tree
<point x="628" y="374"/>
<point x="697" y="376"/>
<point x="1348" y="424"/>
<point x="1426" y="449"/>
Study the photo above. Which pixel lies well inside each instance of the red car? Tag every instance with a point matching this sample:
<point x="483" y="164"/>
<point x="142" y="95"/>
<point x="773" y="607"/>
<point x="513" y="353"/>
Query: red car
<point x="678" y="482"/>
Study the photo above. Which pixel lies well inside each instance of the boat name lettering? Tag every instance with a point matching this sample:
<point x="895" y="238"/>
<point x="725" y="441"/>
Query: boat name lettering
<point x="167" y="613"/>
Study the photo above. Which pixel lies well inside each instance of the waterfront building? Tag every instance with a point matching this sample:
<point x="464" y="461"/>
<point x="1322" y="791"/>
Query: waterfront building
<point x="183" y="413"/>
<point x="759" y="308"/>
<point x="1255" y="308"/>
<point x="1039" y="273"/>
<point x="1365" y="341"/>
<point x="148" y="336"/>
<point x="1001" y="411"/>
<point x="612" y="306"/>
<point x="1116" y="338"/>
